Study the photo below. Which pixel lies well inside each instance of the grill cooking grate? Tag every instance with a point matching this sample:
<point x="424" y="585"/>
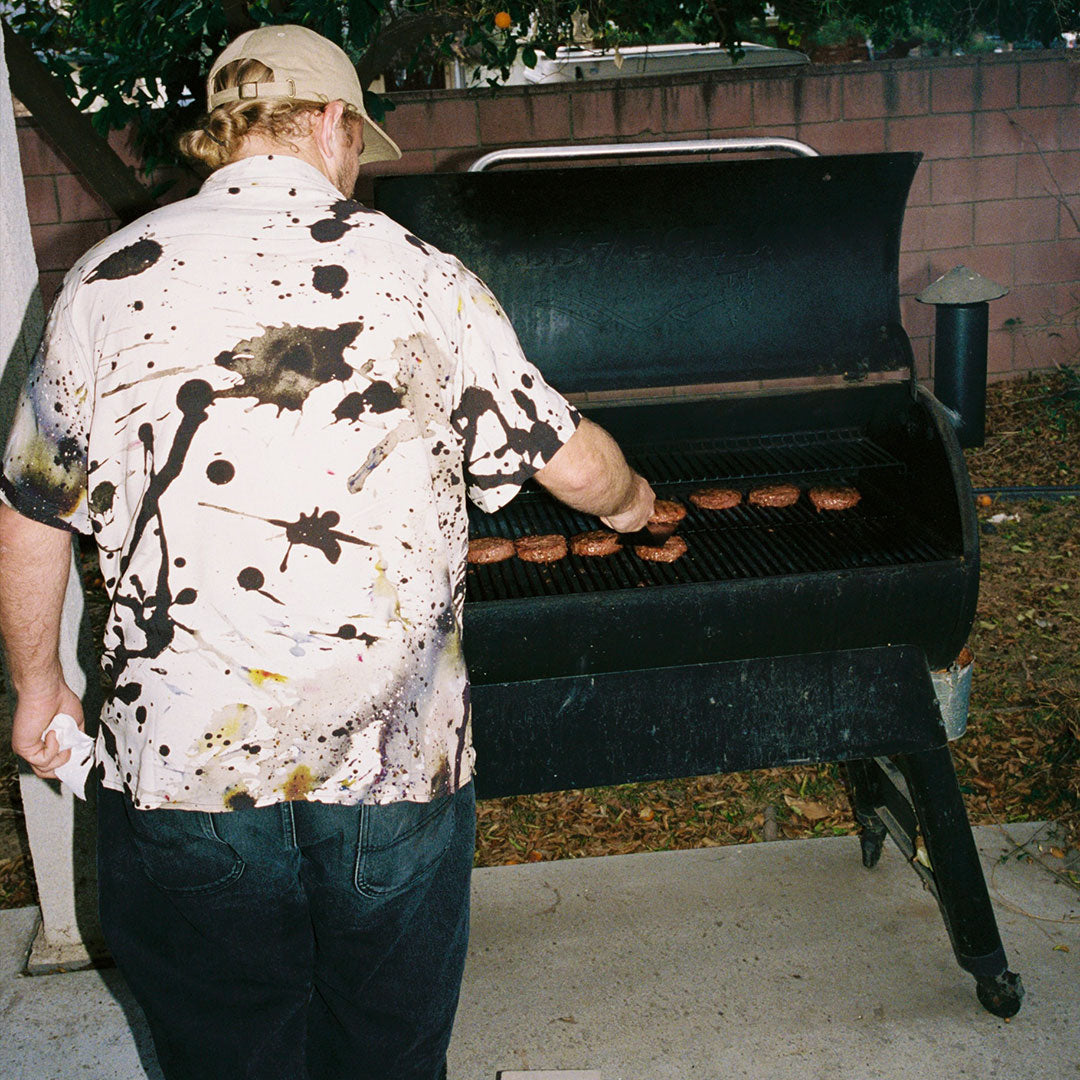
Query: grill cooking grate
<point x="759" y="458"/>
<point x="743" y="542"/>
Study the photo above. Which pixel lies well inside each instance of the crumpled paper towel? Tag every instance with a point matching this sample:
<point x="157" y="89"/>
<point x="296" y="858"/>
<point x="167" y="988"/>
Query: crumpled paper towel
<point x="73" y="773"/>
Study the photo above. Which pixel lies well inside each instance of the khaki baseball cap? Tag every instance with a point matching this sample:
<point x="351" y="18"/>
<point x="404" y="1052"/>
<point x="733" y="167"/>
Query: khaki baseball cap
<point x="307" y="67"/>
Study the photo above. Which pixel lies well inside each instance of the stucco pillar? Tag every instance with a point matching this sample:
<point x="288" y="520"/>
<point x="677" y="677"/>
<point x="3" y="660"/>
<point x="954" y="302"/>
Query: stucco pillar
<point x="60" y="832"/>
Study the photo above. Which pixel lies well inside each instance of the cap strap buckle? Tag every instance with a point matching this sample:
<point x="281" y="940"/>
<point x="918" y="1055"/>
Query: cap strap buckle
<point x="250" y="90"/>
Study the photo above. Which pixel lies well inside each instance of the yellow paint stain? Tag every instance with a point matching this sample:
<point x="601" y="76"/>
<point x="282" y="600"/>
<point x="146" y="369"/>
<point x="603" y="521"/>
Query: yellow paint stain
<point x="385" y="596"/>
<point x="452" y="647"/>
<point x="485" y="299"/>
<point x="260" y="675"/>
<point x="230" y="723"/>
<point x="299" y="784"/>
<point x="66" y="487"/>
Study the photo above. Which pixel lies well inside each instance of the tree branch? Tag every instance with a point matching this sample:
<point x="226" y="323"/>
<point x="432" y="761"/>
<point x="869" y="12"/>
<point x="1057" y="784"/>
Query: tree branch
<point x="91" y="155"/>
<point x="237" y="18"/>
<point x="404" y="35"/>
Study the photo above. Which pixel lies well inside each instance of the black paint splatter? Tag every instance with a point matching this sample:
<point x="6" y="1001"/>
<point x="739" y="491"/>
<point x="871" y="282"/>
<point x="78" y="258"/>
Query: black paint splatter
<point x="310" y="530"/>
<point x="348" y="632"/>
<point x="379" y="397"/>
<point x="526" y="404"/>
<point x="69" y="454"/>
<point x="128" y="693"/>
<point x="220" y="472"/>
<point x="251" y="577"/>
<point x="330" y="279"/>
<point x="326" y="230"/>
<point x="538" y="441"/>
<point x="101" y="498"/>
<point x="239" y="800"/>
<point x="313" y="530"/>
<point x="151" y="614"/>
<point x="128" y="261"/>
<point x="283" y="365"/>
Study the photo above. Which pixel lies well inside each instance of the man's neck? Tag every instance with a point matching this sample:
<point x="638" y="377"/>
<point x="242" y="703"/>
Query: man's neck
<point x="302" y="149"/>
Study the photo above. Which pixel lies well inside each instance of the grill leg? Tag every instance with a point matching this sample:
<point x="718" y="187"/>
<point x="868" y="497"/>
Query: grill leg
<point x="861" y="786"/>
<point x="960" y="886"/>
<point x="919" y="795"/>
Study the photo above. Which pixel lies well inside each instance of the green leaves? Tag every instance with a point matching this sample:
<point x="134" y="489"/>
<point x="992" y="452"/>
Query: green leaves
<point x="142" y="62"/>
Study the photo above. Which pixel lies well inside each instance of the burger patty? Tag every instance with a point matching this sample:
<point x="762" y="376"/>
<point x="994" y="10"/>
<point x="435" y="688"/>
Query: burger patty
<point x="541" y="549"/>
<point x="834" y="498"/>
<point x="598" y="542"/>
<point x="674" y="548"/>
<point x="774" y="495"/>
<point x="713" y="498"/>
<point x="667" y="512"/>
<point x="490" y="549"/>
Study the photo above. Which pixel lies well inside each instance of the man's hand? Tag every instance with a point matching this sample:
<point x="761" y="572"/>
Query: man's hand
<point x="638" y="511"/>
<point x="33" y="714"/>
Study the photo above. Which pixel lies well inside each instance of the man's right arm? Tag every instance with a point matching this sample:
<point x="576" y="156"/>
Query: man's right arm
<point x="590" y="474"/>
<point x="34" y="564"/>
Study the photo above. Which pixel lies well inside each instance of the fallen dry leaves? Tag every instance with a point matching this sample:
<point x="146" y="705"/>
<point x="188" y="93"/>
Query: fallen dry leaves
<point x="703" y="811"/>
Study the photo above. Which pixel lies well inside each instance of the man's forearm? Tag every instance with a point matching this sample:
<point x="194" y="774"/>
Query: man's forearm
<point x="34" y="564"/>
<point x="590" y="474"/>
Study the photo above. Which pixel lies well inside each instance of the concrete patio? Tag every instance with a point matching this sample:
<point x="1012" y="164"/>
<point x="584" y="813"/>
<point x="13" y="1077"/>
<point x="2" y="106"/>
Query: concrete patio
<point x="765" y="962"/>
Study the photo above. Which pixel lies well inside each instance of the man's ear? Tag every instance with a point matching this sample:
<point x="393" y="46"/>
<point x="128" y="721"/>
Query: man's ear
<point x="325" y="125"/>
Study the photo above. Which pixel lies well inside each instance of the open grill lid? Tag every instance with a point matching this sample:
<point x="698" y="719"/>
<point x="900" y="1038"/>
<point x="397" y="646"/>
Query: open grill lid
<point x="777" y="268"/>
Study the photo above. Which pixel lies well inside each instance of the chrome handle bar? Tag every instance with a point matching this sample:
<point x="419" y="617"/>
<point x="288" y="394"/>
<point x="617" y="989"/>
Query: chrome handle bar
<point x="517" y="154"/>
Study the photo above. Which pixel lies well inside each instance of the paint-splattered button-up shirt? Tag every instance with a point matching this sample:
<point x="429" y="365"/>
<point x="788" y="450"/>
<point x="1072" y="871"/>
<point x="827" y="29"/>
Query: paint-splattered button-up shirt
<point x="266" y="403"/>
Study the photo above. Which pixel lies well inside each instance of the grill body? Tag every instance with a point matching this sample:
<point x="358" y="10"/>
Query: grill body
<point x="783" y="635"/>
<point x="900" y="568"/>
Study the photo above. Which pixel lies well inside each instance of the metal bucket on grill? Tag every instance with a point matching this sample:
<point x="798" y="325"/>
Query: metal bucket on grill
<point x="953" y="688"/>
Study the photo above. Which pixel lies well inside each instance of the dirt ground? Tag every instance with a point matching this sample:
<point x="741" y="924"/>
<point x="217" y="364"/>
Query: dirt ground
<point x="1019" y="760"/>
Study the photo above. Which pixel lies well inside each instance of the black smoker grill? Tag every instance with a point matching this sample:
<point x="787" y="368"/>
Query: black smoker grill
<point x="782" y="636"/>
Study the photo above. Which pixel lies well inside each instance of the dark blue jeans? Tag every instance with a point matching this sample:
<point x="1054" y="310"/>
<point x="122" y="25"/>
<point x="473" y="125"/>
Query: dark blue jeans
<point x="291" y="942"/>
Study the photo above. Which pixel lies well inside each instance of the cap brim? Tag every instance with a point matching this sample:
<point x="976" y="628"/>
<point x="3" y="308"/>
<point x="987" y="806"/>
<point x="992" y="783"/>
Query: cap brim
<point x="378" y="146"/>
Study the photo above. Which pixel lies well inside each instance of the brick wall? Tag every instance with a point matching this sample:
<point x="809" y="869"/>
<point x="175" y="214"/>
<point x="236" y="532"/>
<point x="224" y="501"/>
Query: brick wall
<point x="998" y="189"/>
<point x="66" y="217"/>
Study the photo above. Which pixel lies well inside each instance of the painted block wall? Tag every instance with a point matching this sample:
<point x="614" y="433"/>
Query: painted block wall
<point x="998" y="189"/>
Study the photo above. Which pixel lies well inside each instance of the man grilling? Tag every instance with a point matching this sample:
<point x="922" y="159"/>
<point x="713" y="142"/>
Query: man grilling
<point x="267" y="404"/>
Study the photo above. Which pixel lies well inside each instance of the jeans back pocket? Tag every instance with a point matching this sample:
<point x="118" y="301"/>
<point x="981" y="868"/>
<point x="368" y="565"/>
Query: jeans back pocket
<point x="181" y="851"/>
<point x="400" y="842"/>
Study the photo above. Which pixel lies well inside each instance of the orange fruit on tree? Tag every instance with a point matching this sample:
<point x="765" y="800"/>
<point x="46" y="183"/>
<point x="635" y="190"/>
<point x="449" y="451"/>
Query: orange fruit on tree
<point x="503" y="20"/>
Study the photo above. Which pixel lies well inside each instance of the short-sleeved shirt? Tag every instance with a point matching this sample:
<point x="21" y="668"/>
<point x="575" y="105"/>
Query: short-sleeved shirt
<point x="266" y="403"/>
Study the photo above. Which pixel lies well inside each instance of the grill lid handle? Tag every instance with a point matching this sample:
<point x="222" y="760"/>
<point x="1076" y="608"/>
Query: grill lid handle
<point x="576" y="152"/>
